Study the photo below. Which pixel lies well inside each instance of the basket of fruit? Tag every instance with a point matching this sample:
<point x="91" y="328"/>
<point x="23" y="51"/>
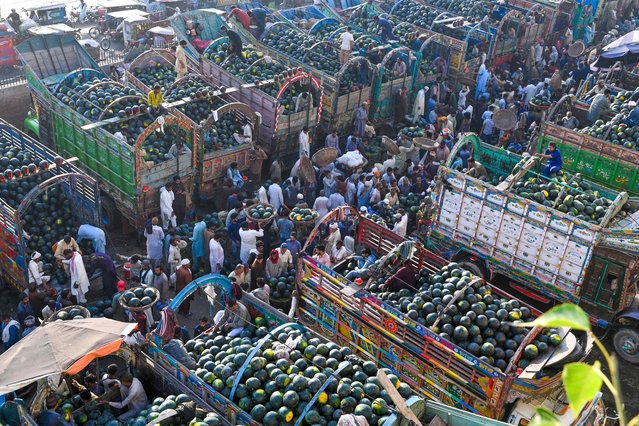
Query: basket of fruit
<point x="261" y="213"/>
<point x="70" y="313"/>
<point x="539" y="102"/>
<point x="139" y="298"/>
<point x="302" y="216"/>
<point x="324" y="156"/>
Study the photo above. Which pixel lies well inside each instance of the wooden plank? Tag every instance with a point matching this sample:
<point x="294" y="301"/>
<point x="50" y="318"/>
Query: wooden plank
<point x="399" y="402"/>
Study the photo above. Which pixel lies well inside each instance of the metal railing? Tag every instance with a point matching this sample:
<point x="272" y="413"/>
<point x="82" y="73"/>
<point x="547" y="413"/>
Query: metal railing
<point x="12" y="77"/>
<point x="110" y="57"/>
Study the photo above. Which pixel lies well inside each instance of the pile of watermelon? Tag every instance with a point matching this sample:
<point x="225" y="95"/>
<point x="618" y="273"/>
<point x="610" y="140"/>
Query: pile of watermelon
<point x="280" y="381"/>
<point x="578" y="199"/>
<point x="157" y="145"/>
<point x="282" y="286"/>
<point x="212" y="221"/>
<point x="262" y="212"/>
<point x="201" y="105"/>
<point x="71" y="314"/>
<point x="139" y="297"/>
<point x="478" y="321"/>
<point x="303" y="215"/>
<point x="162" y="74"/>
<point x="100" y="308"/>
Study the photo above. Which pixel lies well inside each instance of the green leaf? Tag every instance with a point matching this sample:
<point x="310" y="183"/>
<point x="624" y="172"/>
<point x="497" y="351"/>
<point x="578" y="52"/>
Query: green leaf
<point x="582" y="383"/>
<point x="566" y="315"/>
<point x="544" y="417"/>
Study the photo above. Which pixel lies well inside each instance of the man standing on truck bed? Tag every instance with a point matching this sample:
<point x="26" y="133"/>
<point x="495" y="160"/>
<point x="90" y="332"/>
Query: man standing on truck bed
<point x="180" y="60"/>
<point x="235" y="42"/>
<point x="554" y="160"/>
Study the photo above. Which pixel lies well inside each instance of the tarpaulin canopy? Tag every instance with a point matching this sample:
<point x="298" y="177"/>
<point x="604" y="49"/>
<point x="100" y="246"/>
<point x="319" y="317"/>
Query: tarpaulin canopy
<point x="628" y="43"/>
<point x="59" y="346"/>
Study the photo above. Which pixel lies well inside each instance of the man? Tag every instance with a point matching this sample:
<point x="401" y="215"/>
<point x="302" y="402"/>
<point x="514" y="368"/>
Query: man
<point x="36" y="276"/>
<point x="183" y="277"/>
<point x="51" y="417"/>
<point x="49" y="309"/>
<point x="476" y="169"/>
<point x="166" y="206"/>
<point x="338" y="253"/>
<point x="109" y="379"/>
<point x="180" y="60"/>
<point x="334" y="236"/>
<point x="554" y="160"/>
<point x="598" y="89"/>
<point x="442" y="152"/>
<point x="119" y="314"/>
<point x="10" y="331"/>
<point x="487" y="130"/>
<point x="401" y="106"/>
<point x="385" y="27"/>
<point x="303" y="102"/>
<point x="14" y="19"/>
<point x="363" y="264"/>
<point x="320" y="256"/>
<point x="248" y="241"/>
<point x="176" y="349"/>
<point x="103" y="262"/>
<point x="285" y="226"/>
<point x="599" y="105"/>
<point x="570" y="121"/>
<point x="294" y="246"/>
<point x="29" y="325"/>
<point x="66" y="243"/>
<point x="346" y="47"/>
<point x="36" y="299"/>
<point x="233" y="229"/>
<point x="257" y="157"/>
<point x="179" y="201"/>
<point x="177" y="149"/>
<point x="329" y="183"/>
<point x="336" y="200"/>
<point x="95" y="234"/>
<point x="348" y="418"/>
<point x="401" y="226"/>
<point x="161" y="283"/>
<point x="216" y="255"/>
<point x="233" y="319"/>
<point x="155" y="100"/>
<point x="399" y="69"/>
<point x="401" y="279"/>
<point x="9" y="413"/>
<point x="242" y="17"/>
<point x="633" y="118"/>
<point x="79" y="278"/>
<point x="233" y="173"/>
<point x="361" y="116"/>
<point x="197" y="241"/>
<point x="133" y="396"/>
<point x="285" y="257"/>
<point x="235" y="43"/>
<point x="258" y="17"/>
<point x="275" y="195"/>
<point x="262" y="292"/>
<point x="332" y="141"/>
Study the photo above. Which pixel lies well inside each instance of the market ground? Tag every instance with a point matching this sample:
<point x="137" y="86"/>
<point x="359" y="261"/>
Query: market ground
<point x="128" y="245"/>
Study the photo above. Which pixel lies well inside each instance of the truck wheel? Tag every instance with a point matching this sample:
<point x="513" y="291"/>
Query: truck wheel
<point x="626" y="341"/>
<point x="110" y="214"/>
<point x="474" y="268"/>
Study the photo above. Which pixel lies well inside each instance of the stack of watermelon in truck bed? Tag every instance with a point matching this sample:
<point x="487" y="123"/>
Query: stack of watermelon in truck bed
<point x="560" y="240"/>
<point x="106" y="125"/>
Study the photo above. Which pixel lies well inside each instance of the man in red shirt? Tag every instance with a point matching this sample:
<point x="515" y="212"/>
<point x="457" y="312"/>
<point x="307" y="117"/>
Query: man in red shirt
<point x="403" y="278"/>
<point x="242" y="16"/>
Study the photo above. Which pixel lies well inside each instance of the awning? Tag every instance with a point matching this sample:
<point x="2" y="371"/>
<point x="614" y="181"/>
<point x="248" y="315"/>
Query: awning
<point x="57" y="347"/>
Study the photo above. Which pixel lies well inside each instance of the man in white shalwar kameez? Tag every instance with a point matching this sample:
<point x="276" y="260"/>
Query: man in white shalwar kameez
<point x="418" y="106"/>
<point x="216" y="255"/>
<point x="79" y="278"/>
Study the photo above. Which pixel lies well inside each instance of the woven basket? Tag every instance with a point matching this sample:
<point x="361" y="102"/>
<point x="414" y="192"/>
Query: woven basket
<point x="505" y="119"/>
<point x="426" y="144"/>
<point x="85" y="312"/>
<point x="576" y="49"/>
<point x="140" y="308"/>
<point x="306" y="170"/>
<point x="324" y="156"/>
<point x="390" y="145"/>
<point x="539" y="107"/>
<point x="261" y="221"/>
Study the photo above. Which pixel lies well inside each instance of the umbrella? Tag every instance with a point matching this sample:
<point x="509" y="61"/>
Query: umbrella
<point x="165" y="31"/>
<point x="59" y="346"/>
<point x="624" y="41"/>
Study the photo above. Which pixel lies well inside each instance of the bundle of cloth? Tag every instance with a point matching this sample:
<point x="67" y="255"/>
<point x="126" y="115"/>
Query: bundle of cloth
<point x="351" y="159"/>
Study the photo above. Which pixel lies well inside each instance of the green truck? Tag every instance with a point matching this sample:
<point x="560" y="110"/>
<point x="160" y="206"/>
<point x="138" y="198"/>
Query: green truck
<point x="566" y="240"/>
<point x="120" y="147"/>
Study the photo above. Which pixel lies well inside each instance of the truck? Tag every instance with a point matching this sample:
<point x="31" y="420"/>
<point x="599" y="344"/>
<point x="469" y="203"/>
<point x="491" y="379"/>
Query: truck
<point x="277" y="322"/>
<point x="215" y="114"/>
<point x="121" y="147"/>
<point x="21" y="198"/>
<point x="272" y="97"/>
<point x="352" y="315"/>
<point x="547" y="251"/>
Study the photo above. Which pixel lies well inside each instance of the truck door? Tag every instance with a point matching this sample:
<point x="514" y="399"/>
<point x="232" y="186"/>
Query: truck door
<point x="603" y="285"/>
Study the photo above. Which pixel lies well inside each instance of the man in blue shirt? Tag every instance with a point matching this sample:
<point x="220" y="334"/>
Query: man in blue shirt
<point x="10" y="331"/>
<point x="554" y="160"/>
<point x="285" y="226"/>
<point x="233" y="229"/>
<point x="364" y="262"/>
<point x="294" y="246"/>
<point x="258" y="16"/>
<point x="633" y="118"/>
<point x="386" y="28"/>
<point x="50" y="417"/>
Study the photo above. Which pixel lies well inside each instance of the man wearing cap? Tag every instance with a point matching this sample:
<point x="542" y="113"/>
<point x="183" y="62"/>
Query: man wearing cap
<point x="401" y="225"/>
<point x="301" y="203"/>
<point x="29" y="325"/>
<point x="36" y="275"/>
<point x="338" y="253"/>
<point x="183" y="277"/>
<point x="118" y="311"/>
<point x="333" y="236"/>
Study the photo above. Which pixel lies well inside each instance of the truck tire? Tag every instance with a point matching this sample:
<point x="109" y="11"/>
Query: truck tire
<point x="110" y="214"/>
<point x="474" y="267"/>
<point x="626" y="342"/>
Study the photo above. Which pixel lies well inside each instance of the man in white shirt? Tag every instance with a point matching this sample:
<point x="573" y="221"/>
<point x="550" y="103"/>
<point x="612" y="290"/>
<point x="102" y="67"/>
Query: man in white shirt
<point x="305" y="147"/>
<point x="247" y="131"/>
<point x="530" y="90"/>
<point x="399" y="69"/>
<point x="303" y="101"/>
<point x="133" y="396"/>
<point x="216" y="255"/>
<point x="402" y="224"/>
<point x="336" y="200"/>
<point x="285" y="257"/>
<point x="35" y="270"/>
<point x="346" y="47"/>
<point x="166" y="206"/>
<point x="338" y="253"/>
<point x="275" y="195"/>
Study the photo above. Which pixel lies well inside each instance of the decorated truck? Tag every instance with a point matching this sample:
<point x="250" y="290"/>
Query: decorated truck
<point x="413" y="331"/>
<point x="314" y="386"/>
<point x="107" y="125"/>
<point x="42" y="198"/>
<point x="268" y="83"/>
<point x="215" y="113"/>
<point x="554" y="240"/>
